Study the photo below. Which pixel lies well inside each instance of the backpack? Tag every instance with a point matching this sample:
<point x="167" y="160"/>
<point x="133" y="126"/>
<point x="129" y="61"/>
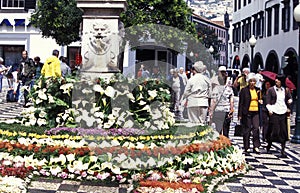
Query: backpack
<point x="11" y="97"/>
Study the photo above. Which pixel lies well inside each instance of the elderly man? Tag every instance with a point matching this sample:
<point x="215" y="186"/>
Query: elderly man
<point x="183" y="75"/>
<point x="197" y="93"/>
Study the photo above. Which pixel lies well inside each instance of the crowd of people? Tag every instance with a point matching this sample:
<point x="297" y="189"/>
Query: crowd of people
<point x="199" y="97"/>
<point x="22" y="75"/>
<point x="262" y="108"/>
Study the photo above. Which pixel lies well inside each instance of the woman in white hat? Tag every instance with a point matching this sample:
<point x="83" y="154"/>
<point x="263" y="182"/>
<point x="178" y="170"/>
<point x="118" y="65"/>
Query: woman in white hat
<point x="221" y="108"/>
<point x="248" y="113"/>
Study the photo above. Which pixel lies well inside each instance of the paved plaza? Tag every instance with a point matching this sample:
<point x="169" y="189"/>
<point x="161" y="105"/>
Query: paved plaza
<point x="269" y="173"/>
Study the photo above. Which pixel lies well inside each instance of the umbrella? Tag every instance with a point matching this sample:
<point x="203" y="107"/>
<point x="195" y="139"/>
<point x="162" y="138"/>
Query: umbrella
<point x="290" y="84"/>
<point x="269" y="74"/>
<point x="272" y="76"/>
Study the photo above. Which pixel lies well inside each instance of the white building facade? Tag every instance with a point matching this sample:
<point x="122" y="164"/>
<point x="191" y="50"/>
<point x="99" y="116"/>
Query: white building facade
<point x="17" y="34"/>
<point x="276" y="32"/>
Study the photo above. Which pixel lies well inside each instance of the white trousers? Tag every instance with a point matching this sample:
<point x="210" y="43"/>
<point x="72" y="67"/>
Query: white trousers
<point x="197" y="114"/>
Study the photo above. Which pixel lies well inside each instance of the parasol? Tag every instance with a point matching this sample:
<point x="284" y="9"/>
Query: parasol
<point x="269" y="74"/>
<point x="272" y="76"/>
<point x="290" y="84"/>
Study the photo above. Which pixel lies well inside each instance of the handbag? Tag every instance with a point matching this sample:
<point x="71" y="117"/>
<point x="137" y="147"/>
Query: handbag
<point x="238" y="130"/>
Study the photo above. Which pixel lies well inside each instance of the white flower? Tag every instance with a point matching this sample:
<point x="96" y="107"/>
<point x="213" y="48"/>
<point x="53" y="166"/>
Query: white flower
<point x="116" y="170"/>
<point x="7" y="162"/>
<point x="172" y="176"/>
<point x="42" y="114"/>
<point x="188" y="161"/>
<point x="109" y="91"/>
<point x="38" y="101"/>
<point x="87" y="91"/>
<point x="78" y="165"/>
<point x="152" y="93"/>
<point x="62" y="159"/>
<point x="109" y="124"/>
<point x="131" y="97"/>
<point x="128" y="124"/>
<point x="41" y="122"/>
<point x="50" y="98"/>
<point x="139" y="145"/>
<point x="98" y="88"/>
<point x="32" y="121"/>
<point x="141" y="103"/>
<point x="66" y="88"/>
<point x="41" y="94"/>
<point x="107" y="165"/>
<point x="93" y="158"/>
<point x="151" y="162"/>
<point x="55" y="170"/>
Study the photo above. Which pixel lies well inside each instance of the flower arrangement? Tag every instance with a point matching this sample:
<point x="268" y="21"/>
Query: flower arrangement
<point x="182" y="161"/>
<point x="115" y="103"/>
<point x="121" y="102"/>
<point x="51" y="98"/>
<point x="117" y="130"/>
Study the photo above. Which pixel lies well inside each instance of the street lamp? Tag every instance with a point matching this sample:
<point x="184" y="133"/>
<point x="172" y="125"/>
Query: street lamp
<point x="211" y="51"/>
<point x="252" y="42"/>
<point x="296" y="136"/>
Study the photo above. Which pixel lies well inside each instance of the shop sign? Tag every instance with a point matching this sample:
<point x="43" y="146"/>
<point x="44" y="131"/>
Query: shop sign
<point x="17" y="22"/>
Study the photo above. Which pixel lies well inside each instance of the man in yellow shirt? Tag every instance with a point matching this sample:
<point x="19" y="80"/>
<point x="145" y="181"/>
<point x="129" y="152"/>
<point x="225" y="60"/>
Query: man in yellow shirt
<point x="51" y="67"/>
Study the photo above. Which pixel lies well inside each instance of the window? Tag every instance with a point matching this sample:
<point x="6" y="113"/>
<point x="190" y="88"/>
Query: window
<point x="247" y="29"/>
<point x="276" y="19"/>
<point x="244" y="31"/>
<point x="11" y="54"/>
<point x="269" y="20"/>
<point x="285" y="20"/>
<point x="261" y="25"/>
<point x="254" y="25"/>
<point x="235" y="5"/>
<point x="12" y="4"/>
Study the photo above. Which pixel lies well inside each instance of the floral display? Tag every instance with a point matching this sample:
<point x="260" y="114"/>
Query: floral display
<point x="115" y="103"/>
<point x="191" y="162"/>
<point x="113" y="130"/>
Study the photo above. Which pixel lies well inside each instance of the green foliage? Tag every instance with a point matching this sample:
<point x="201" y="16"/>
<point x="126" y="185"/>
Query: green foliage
<point x="21" y="128"/>
<point x="59" y="19"/>
<point x="52" y="102"/>
<point x="122" y="100"/>
<point x="208" y="37"/>
<point x="145" y="17"/>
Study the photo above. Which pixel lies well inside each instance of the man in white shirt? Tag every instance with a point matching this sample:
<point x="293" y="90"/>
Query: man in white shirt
<point x="197" y="93"/>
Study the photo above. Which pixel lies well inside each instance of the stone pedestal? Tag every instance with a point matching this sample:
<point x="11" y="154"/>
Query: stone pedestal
<point x="100" y="36"/>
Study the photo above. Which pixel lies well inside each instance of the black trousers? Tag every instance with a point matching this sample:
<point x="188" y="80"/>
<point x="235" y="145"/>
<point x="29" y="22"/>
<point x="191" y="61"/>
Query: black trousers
<point x="250" y="125"/>
<point x="277" y="131"/>
<point x="26" y="81"/>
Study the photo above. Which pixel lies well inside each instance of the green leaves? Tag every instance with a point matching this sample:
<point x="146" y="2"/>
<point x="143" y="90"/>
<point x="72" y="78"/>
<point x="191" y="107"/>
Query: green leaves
<point x="153" y="14"/>
<point x="59" y="19"/>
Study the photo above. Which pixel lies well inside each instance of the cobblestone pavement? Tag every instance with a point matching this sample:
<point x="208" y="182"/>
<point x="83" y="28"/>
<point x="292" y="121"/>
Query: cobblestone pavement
<point x="269" y="173"/>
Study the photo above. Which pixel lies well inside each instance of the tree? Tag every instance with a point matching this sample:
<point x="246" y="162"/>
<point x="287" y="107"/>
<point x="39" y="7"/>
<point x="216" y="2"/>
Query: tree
<point x="143" y="17"/>
<point x="208" y="37"/>
<point x="59" y="19"/>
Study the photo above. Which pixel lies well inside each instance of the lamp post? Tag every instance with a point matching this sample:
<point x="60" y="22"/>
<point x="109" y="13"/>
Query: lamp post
<point x="252" y="42"/>
<point x="296" y="136"/>
<point x="211" y="51"/>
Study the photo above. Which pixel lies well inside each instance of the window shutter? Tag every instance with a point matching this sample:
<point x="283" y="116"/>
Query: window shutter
<point x="30" y="4"/>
